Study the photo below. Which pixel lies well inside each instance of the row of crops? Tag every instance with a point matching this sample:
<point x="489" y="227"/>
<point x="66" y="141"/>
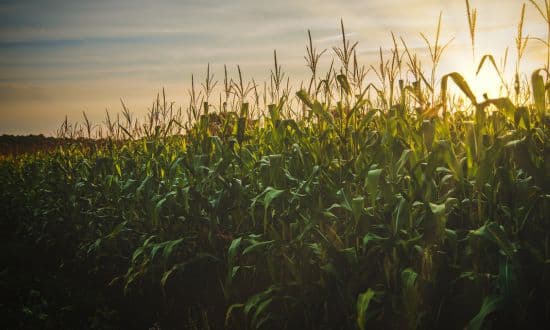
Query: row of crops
<point x="369" y="218"/>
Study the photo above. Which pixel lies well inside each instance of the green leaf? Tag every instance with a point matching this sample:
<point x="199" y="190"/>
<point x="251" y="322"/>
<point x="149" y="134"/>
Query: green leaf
<point x="234" y="271"/>
<point x="158" y="210"/>
<point x="139" y="251"/>
<point x="502" y="103"/>
<point x="490" y="304"/>
<point x="402" y="160"/>
<point x="167" y="275"/>
<point x="408" y="276"/>
<point x="257" y="245"/>
<point x="256" y="299"/>
<point x="460" y="82"/>
<point x="169" y="247"/>
<point x="357" y="207"/>
<point x="232" y="251"/>
<point x="320" y="110"/>
<point x="156" y="248"/>
<point x="514" y="143"/>
<point x="117" y="230"/>
<point x="199" y="258"/>
<point x="269" y="195"/>
<point x="230" y="311"/>
<point x="371" y="237"/>
<point x="371" y="184"/>
<point x="537" y="84"/>
<point x="259" y="310"/>
<point x="437" y="209"/>
<point x="401" y="215"/>
<point x="495" y="233"/>
<point x="411" y="296"/>
<point x="363" y="302"/>
<point x="345" y="204"/>
<point x="144" y="188"/>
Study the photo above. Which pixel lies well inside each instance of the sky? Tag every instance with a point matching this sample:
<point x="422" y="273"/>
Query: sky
<point x="61" y="58"/>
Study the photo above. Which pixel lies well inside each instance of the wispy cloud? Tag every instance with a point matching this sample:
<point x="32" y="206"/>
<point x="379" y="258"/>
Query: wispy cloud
<point x="64" y="56"/>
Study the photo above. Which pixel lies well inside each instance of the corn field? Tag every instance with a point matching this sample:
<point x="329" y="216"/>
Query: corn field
<point x="401" y="202"/>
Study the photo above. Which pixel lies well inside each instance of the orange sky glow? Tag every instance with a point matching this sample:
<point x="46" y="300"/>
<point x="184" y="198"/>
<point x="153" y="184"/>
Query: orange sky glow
<point x="60" y="58"/>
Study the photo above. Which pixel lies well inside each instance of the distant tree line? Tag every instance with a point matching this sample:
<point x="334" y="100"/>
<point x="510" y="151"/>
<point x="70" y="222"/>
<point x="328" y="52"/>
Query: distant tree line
<point x="19" y="144"/>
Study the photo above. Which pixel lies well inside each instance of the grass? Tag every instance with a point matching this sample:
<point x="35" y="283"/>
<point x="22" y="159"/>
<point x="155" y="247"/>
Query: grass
<point x="344" y="204"/>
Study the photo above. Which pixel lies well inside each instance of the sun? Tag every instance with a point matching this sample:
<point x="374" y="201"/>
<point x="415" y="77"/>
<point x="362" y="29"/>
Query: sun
<point x="487" y="83"/>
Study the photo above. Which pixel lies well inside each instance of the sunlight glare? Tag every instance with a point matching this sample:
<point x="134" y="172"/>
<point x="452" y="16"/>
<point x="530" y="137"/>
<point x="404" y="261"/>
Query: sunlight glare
<point x="487" y="81"/>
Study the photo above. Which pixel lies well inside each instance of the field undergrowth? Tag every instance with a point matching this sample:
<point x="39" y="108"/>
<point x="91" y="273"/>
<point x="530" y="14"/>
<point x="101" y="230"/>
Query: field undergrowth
<point x="342" y="204"/>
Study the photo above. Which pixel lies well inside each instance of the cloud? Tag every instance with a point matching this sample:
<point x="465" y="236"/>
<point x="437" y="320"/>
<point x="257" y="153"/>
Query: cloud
<point x="67" y="55"/>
